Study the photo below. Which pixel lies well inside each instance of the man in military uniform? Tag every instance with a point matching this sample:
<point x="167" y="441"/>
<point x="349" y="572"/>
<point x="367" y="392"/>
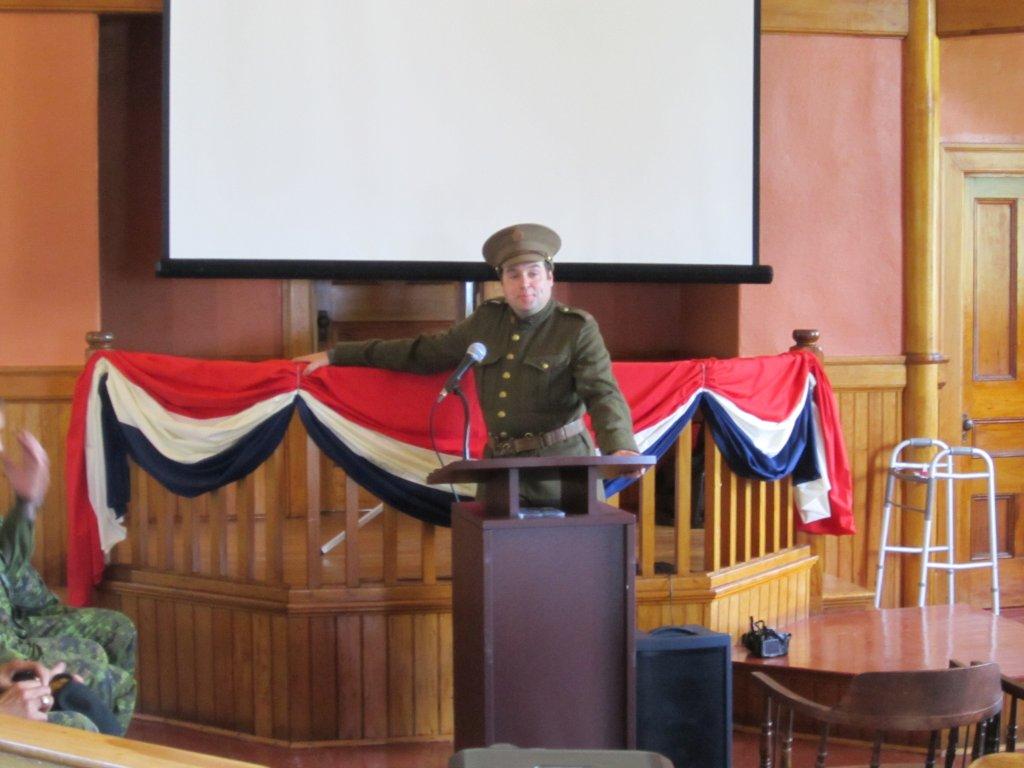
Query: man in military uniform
<point x="546" y="363"/>
<point x="96" y="644"/>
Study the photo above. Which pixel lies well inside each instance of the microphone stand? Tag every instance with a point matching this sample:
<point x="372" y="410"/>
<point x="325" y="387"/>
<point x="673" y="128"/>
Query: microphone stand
<point x="465" y="421"/>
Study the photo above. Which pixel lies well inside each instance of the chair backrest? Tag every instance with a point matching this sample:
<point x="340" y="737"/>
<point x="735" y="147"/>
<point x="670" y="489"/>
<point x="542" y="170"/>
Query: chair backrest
<point x="926" y="700"/>
<point x="1014" y="692"/>
<point x="886" y="703"/>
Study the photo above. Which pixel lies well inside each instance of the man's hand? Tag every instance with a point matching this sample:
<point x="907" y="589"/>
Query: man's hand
<point x="29" y="699"/>
<point x="639" y="473"/>
<point x="31" y="478"/>
<point x="315" y="360"/>
<point x="39" y="671"/>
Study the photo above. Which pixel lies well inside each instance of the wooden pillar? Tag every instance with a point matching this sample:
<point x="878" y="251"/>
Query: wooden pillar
<point x="920" y="251"/>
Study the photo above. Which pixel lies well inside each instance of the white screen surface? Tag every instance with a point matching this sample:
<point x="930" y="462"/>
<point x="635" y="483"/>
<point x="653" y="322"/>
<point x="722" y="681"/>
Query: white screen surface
<point x="407" y="131"/>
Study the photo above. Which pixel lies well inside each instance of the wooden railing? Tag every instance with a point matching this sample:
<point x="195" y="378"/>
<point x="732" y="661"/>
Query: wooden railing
<point x="267" y="528"/>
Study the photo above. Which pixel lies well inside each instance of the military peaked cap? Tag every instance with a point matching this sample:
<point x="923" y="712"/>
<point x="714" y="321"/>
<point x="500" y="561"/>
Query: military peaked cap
<point x="521" y="243"/>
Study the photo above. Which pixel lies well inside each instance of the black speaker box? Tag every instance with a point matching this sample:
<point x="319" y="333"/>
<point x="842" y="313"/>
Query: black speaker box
<point x="684" y="695"/>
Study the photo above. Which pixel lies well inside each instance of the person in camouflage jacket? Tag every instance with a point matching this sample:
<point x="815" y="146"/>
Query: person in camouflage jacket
<point x="96" y="644"/>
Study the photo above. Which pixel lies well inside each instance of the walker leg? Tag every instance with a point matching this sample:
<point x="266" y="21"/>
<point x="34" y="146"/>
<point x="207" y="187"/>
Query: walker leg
<point x="926" y="542"/>
<point x="992" y="543"/>
<point x="886" y="517"/>
<point x="950" y="539"/>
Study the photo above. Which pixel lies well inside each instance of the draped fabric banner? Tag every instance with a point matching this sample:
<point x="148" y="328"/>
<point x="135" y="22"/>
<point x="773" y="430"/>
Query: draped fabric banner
<point x="196" y="425"/>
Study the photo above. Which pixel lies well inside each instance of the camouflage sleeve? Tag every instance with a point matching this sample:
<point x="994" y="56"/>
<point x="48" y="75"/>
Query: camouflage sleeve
<point x="596" y="386"/>
<point x="11" y="646"/>
<point x="423" y="354"/>
<point x="17" y="537"/>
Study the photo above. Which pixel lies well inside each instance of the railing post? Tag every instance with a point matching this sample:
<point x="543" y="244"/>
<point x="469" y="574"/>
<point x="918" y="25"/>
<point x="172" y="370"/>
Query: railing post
<point x="313" y="509"/>
<point x="807" y="338"/>
<point x="684" y="498"/>
<point x="712" y="506"/>
<point x="646" y="518"/>
<point x="96" y="341"/>
<point x="351" y="532"/>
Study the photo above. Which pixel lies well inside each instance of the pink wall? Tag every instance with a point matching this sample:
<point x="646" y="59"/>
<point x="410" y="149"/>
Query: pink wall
<point x="830" y="196"/>
<point x="49" y="251"/>
<point x="982" y="84"/>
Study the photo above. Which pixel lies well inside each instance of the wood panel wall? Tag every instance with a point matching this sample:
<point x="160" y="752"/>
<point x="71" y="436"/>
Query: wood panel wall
<point x="324" y="675"/>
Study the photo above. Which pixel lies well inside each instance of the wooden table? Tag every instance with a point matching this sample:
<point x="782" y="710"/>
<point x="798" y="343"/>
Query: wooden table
<point x="900" y="639"/>
<point x="828" y="649"/>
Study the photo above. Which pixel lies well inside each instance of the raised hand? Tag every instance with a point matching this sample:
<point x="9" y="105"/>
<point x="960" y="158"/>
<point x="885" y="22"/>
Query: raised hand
<point x="31" y="477"/>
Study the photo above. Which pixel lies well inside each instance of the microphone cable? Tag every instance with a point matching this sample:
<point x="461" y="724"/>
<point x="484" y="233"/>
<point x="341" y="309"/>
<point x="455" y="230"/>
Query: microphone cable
<point x="433" y="444"/>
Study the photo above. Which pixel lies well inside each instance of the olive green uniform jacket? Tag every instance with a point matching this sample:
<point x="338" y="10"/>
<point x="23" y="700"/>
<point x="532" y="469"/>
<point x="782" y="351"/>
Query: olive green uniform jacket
<point x="539" y="374"/>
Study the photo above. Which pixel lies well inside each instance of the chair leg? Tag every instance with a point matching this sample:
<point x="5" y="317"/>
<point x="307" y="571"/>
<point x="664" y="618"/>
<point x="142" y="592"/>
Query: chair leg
<point x="977" y="746"/>
<point x="933" y="746"/>
<point x="822" y="747"/>
<point x="1011" y="728"/>
<point x="787" y="740"/>
<point x="951" y="745"/>
<point x="876" y="751"/>
<point x="767" y="734"/>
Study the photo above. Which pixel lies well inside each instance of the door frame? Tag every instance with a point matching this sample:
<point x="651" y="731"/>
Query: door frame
<point x="957" y="163"/>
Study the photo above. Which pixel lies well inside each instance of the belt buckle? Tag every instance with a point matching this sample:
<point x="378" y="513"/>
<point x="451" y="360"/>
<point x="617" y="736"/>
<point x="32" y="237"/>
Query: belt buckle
<point x="503" y="448"/>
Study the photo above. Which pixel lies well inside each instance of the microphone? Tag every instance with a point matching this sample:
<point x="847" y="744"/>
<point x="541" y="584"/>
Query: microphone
<point x="474" y="354"/>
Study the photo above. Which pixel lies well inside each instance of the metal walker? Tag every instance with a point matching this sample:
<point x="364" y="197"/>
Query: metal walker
<point x="941" y="468"/>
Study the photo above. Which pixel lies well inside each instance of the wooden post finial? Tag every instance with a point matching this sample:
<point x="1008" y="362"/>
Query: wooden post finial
<point x="96" y="341"/>
<point x="807" y="338"/>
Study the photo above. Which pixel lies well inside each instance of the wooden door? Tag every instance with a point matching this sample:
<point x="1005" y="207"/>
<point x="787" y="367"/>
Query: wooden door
<point x="993" y="381"/>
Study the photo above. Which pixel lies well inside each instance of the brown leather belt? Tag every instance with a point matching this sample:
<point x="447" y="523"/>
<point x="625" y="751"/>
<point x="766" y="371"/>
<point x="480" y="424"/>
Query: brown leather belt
<point x="530" y="442"/>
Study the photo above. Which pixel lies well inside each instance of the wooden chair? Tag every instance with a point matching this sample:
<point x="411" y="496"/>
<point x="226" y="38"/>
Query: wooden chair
<point x="1014" y="692"/>
<point x="886" y="702"/>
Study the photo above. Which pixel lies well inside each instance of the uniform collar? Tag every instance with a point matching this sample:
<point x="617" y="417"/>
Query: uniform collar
<point x="536" y="318"/>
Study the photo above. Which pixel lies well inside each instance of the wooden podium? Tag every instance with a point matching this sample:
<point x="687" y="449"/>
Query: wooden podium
<point x="543" y="609"/>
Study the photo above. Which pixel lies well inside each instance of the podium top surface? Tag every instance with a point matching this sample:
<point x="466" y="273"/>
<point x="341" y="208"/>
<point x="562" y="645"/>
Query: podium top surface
<point x="475" y="470"/>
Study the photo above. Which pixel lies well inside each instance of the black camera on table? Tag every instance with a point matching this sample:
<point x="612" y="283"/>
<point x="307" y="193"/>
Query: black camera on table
<point x="765" y="642"/>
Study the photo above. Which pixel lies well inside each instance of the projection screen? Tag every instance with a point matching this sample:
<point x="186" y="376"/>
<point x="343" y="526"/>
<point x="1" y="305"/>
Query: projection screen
<point x="389" y="138"/>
